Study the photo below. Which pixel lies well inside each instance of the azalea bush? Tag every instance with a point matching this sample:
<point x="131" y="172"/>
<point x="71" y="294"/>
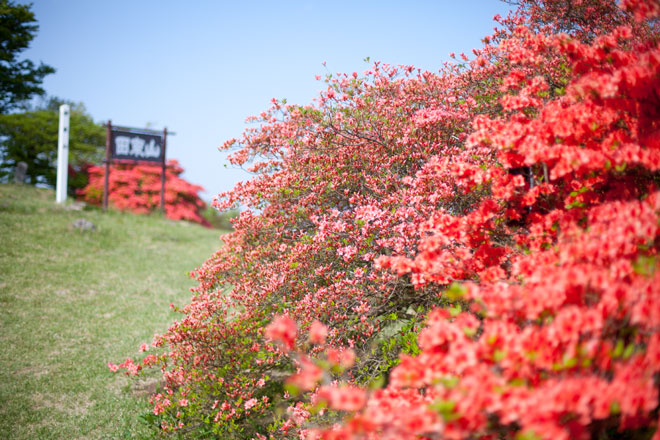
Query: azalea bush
<point x="465" y="254"/>
<point x="137" y="188"/>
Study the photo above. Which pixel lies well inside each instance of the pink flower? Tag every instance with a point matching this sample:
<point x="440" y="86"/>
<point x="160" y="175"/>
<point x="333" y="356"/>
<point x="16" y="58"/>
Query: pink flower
<point x="344" y="358"/>
<point x="250" y="403"/>
<point x="298" y="413"/>
<point x="282" y="329"/>
<point x="317" y="333"/>
<point x="308" y="376"/>
<point x="346" y="398"/>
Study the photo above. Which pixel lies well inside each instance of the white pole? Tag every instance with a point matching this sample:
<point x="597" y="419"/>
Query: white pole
<point x="62" y="155"/>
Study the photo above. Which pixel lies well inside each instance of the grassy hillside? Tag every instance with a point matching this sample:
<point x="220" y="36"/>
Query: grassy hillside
<point x="71" y="300"/>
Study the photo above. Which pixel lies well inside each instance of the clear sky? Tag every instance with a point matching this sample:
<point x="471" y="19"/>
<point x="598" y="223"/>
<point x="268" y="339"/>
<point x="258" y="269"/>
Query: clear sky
<point x="200" y="67"/>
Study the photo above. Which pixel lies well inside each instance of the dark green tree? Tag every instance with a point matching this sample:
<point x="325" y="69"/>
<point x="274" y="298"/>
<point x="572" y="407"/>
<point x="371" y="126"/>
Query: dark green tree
<point x="19" y="79"/>
<point x="31" y="137"/>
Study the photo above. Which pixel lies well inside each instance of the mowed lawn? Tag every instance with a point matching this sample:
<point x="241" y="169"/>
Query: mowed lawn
<point x="71" y="301"/>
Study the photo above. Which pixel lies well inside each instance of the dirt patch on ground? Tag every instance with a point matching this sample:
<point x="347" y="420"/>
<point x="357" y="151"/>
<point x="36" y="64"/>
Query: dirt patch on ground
<point x="76" y="405"/>
<point x="33" y="370"/>
<point x="147" y="387"/>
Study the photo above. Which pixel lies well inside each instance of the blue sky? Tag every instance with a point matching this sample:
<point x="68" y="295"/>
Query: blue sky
<point x="201" y="67"/>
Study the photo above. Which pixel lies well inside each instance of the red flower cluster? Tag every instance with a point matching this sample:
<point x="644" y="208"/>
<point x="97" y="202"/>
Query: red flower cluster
<point x="560" y="268"/>
<point x="282" y="330"/>
<point x="483" y="240"/>
<point x="136" y="188"/>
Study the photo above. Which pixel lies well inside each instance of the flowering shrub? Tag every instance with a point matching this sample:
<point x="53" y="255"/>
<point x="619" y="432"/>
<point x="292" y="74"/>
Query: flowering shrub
<point x="467" y="254"/>
<point x="136" y="188"/>
<point x="555" y="334"/>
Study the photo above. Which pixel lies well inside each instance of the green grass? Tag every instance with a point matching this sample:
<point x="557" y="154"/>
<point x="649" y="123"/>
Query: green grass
<point x="71" y="300"/>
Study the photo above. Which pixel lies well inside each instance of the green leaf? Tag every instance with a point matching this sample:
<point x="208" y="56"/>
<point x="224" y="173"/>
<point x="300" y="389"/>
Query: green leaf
<point x="570" y="362"/>
<point x="620" y="168"/>
<point x="377" y="383"/>
<point x="645" y="265"/>
<point x="498" y="355"/>
<point x="449" y="381"/>
<point x="615" y="408"/>
<point x="628" y="351"/>
<point x="469" y="332"/>
<point x="291" y="389"/>
<point x="528" y="434"/>
<point x="445" y="408"/>
<point x="618" y="349"/>
<point x="455" y="292"/>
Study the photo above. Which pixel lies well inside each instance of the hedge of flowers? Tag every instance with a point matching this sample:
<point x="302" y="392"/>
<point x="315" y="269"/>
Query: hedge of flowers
<point x="137" y="188"/>
<point x="465" y="254"/>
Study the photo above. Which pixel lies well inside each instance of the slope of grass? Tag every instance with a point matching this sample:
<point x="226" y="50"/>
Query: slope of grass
<point x="71" y="300"/>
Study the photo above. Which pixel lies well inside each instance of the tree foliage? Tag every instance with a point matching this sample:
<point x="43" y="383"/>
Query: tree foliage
<point x="221" y="220"/>
<point x="19" y="79"/>
<point x="471" y="253"/>
<point x="31" y="137"/>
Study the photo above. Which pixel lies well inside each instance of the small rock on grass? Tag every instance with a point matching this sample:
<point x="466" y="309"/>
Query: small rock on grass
<point x="75" y="206"/>
<point x="83" y="225"/>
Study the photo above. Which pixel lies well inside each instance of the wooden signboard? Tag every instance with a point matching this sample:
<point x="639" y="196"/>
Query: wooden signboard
<point x="134" y="145"/>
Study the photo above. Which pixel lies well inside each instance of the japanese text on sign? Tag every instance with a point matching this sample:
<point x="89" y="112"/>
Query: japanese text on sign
<point x="136" y="146"/>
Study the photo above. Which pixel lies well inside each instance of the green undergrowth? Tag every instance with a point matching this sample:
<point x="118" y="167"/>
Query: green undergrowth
<point x="73" y="300"/>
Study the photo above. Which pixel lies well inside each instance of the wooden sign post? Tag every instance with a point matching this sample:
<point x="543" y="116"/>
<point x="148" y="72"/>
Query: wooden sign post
<point x="108" y="138"/>
<point x="162" y="176"/>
